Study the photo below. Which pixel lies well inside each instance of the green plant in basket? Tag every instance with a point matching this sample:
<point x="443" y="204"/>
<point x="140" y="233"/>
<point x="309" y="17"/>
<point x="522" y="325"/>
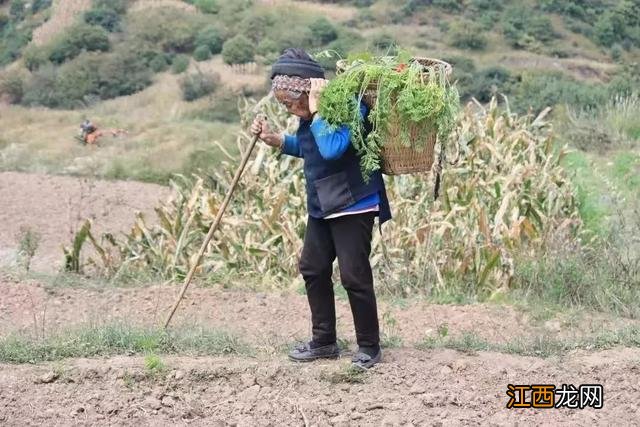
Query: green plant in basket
<point x="406" y="96"/>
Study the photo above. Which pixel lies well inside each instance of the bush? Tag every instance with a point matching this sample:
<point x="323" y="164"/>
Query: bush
<point x="38" y="5"/>
<point x="207" y="6"/>
<point x="40" y="89"/>
<point x="180" y="64"/>
<point x="4" y="20"/>
<point x="385" y="43"/>
<point x="449" y="5"/>
<point x="76" y="39"/>
<point x="159" y="63"/>
<point x="166" y="28"/>
<point x="538" y="90"/>
<point x="12" y="86"/>
<point x="238" y="50"/>
<point x="466" y="35"/>
<point x="105" y="18"/>
<point x="123" y="72"/>
<point x="17" y="10"/>
<point x="522" y="26"/>
<point x="488" y="82"/>
<point x="210" y="37"/>
<point x="323" y="31"/>
<point x="195" y="86"/>
<point x="202" y="53"/>
<point x="34" y="57"/>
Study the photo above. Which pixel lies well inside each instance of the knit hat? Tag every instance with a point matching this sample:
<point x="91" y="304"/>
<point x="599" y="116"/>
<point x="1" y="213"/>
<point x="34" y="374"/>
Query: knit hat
<point x="297" y="62"/>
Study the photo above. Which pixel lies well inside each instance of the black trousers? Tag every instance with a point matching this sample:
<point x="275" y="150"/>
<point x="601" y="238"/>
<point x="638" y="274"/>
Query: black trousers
<point x="349" y="239"/>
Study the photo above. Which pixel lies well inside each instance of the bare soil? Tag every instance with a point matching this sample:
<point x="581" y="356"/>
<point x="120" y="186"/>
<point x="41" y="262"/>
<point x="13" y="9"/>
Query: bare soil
<point x="410" y="386"/>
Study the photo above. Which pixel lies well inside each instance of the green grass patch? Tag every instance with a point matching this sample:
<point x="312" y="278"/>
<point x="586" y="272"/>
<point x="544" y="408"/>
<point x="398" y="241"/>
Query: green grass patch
<point x="539" y="346"/>
<point x="113" y="339"/>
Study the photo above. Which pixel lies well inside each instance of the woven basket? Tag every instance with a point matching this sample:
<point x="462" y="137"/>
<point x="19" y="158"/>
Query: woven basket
<point x="398" y="159"/>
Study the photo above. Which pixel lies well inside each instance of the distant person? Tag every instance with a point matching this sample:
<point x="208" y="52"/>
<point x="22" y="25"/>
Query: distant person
<point x="341" y="207"/>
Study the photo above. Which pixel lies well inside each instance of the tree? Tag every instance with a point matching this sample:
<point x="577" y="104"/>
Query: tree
<point x="17" y="10"/>
<point x="207" y="6"/>
<point x="106" y="18"/>
<point x="78" y="38"/>
<point x="238" y="50"/>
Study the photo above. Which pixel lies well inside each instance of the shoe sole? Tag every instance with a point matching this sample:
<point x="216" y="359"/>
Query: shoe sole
<point x="311" y="359"/>
<point x="371" y="363"/>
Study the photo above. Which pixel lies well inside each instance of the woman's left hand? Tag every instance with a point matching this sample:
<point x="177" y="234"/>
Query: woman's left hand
<point x="314" y="94"/>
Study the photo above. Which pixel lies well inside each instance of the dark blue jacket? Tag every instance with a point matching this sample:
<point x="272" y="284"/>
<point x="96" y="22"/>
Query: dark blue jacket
<point x="334" y="184"/>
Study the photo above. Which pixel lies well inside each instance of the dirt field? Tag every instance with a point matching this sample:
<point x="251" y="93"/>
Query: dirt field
<point x="411" y="387"/>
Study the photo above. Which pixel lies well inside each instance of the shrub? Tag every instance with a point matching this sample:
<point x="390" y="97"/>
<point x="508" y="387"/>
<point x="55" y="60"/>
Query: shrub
<point x="180" y="64"/>
<point x="38" y="5"/>
<point x="449" y="5"/>
<point x="210" y="37"/>
<point x="202" y="53"/>
<point x="165" y="28"/>
<point x="323" y="31"/>
<point x="76" y="39"/>
<point x="17" y="10"/>
<point x="123" y="72"/>
<point x="522" y="25"/>
<point x="159" y="63"/>
<point x="466" y="35"/>
<point x="105" y="18"/>
<point x="34" y="57"/>
<point x="4" y="20"/>
<point x="238" y="50"/>
<point x="207" y="6"/>
<point x="41" y="88"/>
<point x="195" y="86"/>
<point x="488" y="82"/>
<point x="12" y="86"/>
<point x="385" y="43"/>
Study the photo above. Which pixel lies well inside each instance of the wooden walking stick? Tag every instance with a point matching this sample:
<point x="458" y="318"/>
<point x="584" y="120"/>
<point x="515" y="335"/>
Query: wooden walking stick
<point x="212" y="229"/>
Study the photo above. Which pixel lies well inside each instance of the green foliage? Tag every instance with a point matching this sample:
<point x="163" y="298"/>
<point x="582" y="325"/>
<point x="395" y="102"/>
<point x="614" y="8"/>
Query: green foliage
<point x="13" y="39"/>
<point x="38" y="5"/>
<point x="34" y="57"/>
<point x="522" y="27"/>
<point x="210" y="37"/>
<point x="207" y="6"/>
<point x="488" y="83"/>
<point x="539" y="90"/>
<point x="12" y="86"/>
<point x="202" y="53"/>
<point x="4" y="20"/>
<point x="323" y="31"/>
<point x="238" y="50"/>
<point x="180" y="64"/>
<point x="167" y="29"/>
<point x="466" y="35"/>
<point x="385" y="44"/>
<point x="405" y="92"/>
<point x="17" y="10"/>
<point x="198" y="85"/>
<point x="108" y="19"/>
<point x="159" y="63"/>
<point x="81" y="37"/>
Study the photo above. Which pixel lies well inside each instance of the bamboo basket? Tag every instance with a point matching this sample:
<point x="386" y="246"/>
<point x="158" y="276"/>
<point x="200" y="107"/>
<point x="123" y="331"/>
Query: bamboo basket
<point x="398" y="159"/>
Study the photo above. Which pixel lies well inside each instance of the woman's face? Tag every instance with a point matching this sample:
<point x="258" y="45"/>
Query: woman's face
<point x="297" y="104"/>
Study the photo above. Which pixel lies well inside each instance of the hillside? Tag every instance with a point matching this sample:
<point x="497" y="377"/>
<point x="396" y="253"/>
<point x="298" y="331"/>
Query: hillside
<point x="161" y="70"/>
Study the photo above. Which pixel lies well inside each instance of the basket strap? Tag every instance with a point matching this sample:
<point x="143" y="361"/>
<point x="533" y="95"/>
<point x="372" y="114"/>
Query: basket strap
<point x="436" y="187"/>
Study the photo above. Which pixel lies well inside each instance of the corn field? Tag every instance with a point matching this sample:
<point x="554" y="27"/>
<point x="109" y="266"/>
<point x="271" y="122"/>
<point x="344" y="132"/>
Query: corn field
<point x="504" y="194"/>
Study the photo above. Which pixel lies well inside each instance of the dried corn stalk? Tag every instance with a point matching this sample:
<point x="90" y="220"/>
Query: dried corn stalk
<point x="506" y="194"/>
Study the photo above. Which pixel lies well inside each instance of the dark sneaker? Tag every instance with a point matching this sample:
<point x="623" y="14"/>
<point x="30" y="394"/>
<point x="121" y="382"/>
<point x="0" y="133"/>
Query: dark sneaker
<point x="304" y="353"/>
<point x="364" y="361"/>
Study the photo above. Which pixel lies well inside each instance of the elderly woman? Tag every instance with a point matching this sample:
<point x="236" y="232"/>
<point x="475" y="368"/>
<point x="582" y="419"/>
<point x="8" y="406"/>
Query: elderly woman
<point x="341" y="208"/>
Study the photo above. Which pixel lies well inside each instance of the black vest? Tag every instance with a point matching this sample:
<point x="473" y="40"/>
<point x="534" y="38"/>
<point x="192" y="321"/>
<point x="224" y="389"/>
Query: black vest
<point x="333" y="185"/>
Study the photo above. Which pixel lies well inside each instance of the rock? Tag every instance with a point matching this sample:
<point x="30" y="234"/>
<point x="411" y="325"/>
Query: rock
<point x="356" y="416"/>
<point x="392" y="419"/>
<point x="47" y="378"/>
<point x="459" y="365"/>
<point x="152" y="403"/>
<point x="418" y="388"/>
<point x="446" y="370"/>
<point x="338" y="419"/>
<point x="178" y="375"/>
<point x="167" y="401"/>
<point x="77" y="410"/>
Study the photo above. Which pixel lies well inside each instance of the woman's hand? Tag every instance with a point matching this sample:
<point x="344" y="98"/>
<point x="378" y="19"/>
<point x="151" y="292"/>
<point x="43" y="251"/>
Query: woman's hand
<point x="314" y="94"/>
<point x="260" y="127"/>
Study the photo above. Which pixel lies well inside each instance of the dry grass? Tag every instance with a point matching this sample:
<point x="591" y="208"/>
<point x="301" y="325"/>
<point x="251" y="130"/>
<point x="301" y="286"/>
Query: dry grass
<point x="64" y="14"/>
<point x="146" y="4"/>
<point x="333" y="12"/>
<point x="159" y="138"/>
